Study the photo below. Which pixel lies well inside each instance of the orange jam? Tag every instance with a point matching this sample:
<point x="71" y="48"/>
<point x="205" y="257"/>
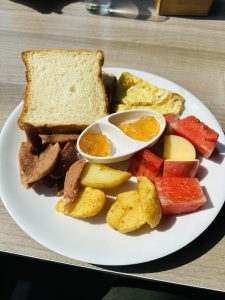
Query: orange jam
<point x="143" y="129"/>
<point x="95" y="144"/>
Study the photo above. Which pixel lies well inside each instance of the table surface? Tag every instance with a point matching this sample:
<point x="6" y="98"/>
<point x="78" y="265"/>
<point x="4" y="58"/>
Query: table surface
<point x="188" y="51"/>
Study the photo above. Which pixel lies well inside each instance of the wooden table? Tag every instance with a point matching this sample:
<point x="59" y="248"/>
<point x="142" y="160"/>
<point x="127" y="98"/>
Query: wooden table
<point x="188" y="51"/>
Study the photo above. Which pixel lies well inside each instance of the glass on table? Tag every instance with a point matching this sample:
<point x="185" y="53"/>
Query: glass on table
<point x="100" y="7"/>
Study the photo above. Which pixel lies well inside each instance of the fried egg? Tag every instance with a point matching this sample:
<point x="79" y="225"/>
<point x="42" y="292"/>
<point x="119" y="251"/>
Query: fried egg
<point x="134" y="93"/>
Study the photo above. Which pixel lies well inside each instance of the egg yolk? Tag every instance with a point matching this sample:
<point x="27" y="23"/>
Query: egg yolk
<point x="143" y="129"/>
<point x="95" y="144"/>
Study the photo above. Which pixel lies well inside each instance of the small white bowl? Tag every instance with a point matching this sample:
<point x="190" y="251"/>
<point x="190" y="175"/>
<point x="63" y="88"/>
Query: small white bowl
<point x="123" y="146"/>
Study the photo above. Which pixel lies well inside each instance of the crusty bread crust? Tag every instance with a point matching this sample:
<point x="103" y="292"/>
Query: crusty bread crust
<point x="109" y="81"/>
<point x="59" y="128"/>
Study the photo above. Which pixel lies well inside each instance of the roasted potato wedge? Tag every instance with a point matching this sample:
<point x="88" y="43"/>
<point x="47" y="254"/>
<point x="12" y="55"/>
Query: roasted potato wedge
<point x="88" y="203"/>
<point x="102" y="177"/>
<point x="149" y="201"/>
<point x="126" y="215"/>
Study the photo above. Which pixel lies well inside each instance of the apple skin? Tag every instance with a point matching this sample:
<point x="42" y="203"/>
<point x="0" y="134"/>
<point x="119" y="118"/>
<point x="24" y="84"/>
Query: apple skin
<point x="180" y="168"/>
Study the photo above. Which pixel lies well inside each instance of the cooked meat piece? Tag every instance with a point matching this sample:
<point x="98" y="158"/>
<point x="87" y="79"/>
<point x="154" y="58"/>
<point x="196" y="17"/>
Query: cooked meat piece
<point x="29" y="185"/>
<point x="34" y="167"/>
<point x="67" y="156"/>
<point x="60" y="186"/>
<point x="26" y="161"/>
<point x="59" y="193"/>
<point x="48" y="181"/>
<point x="58" y="138"/>
<point x="72" y="182"/>
<point x="109" y="81"/>
<point x="33" y="137"/>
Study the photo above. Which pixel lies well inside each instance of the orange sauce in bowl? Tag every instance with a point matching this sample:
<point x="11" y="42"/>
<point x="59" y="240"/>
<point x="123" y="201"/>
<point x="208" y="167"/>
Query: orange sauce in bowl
<point x="95" y="144"/>
<point x="143" y="129"/>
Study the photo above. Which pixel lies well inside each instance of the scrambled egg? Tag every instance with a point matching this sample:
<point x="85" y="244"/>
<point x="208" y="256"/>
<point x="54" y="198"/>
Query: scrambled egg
<point x="133" y="93"/>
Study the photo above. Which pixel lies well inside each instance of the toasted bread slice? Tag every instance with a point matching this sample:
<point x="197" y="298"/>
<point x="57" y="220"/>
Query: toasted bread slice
<point x="64" y="92"/>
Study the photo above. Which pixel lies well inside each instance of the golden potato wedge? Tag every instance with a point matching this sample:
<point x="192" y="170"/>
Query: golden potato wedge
<point x="149" y="201"/>
<point x="126" y="215"/>
<point x="88" y="203"/>
<point x="102" y="177"/>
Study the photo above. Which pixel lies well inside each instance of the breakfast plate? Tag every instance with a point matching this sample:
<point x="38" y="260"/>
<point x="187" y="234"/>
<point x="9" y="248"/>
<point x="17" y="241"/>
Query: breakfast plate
<point x="92" y="240"/>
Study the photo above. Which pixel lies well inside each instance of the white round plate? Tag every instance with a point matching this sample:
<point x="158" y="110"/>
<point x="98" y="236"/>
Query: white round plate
<point x="92" y="240"/>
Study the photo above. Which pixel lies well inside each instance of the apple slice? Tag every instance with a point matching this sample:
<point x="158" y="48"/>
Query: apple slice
<point x="178" y="148"/>
<point x="180" y="168"/>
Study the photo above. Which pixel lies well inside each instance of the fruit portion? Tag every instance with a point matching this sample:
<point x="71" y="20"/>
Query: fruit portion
<point x="168" y="130"/>
<point x="179" y="195"/>
<point x="198" y="133"/>
<point x="178" y="148"/>
<point x="169" y="119"/>
<point x="179" y="168"/>
<point x="145" y="163"/>
<point x="149" y="201"/>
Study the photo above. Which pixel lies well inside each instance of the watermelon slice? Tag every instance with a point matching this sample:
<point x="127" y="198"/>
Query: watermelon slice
<point x="198" y="133"/>
<point x="179" y="195"/>
<point x="145" y="163"/>
<point x="170" y="119"/>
